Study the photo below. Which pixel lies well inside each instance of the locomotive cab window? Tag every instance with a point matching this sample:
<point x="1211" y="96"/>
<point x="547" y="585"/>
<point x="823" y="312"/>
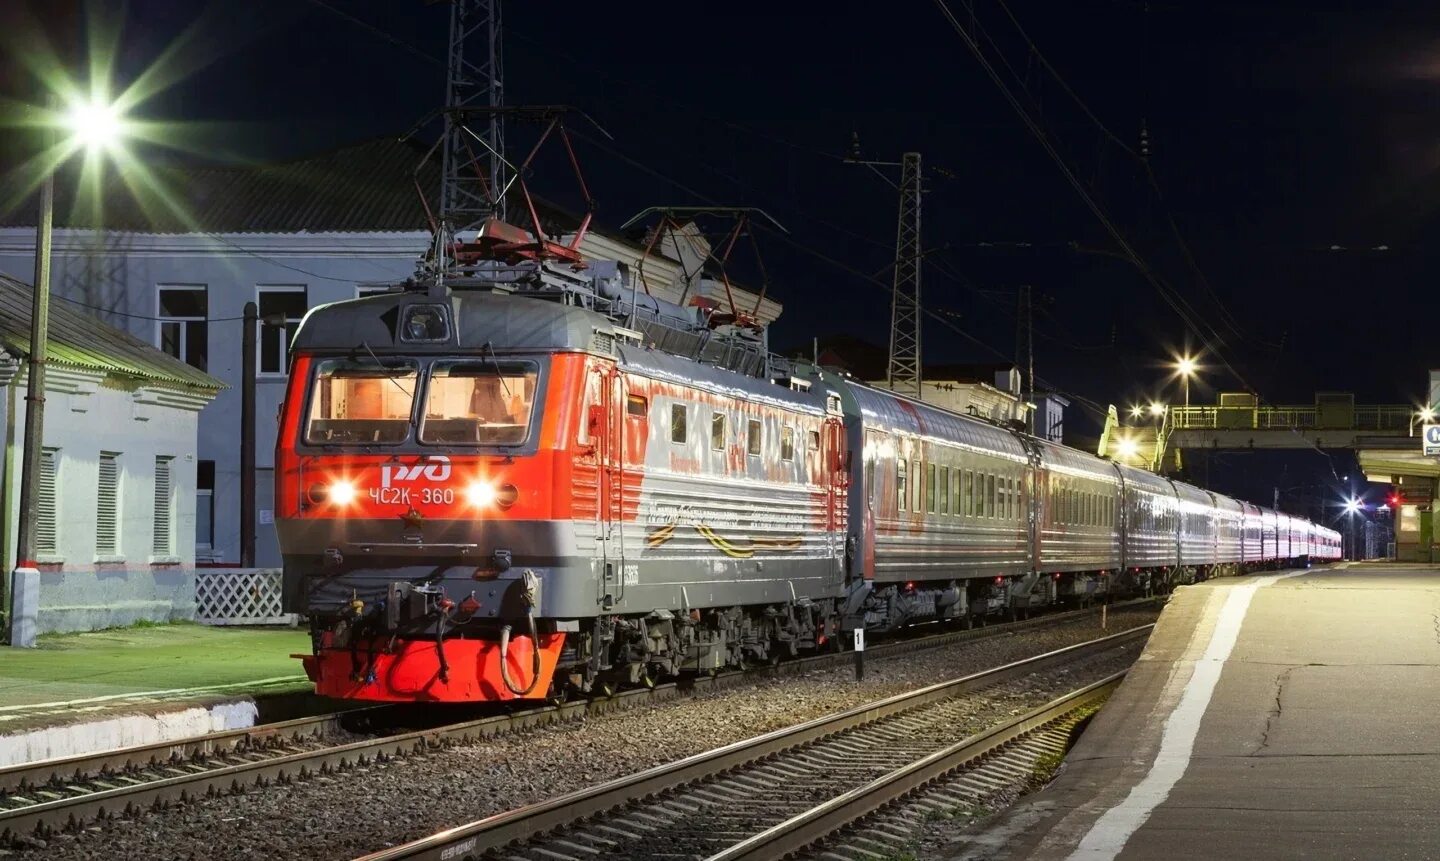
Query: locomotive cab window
<point x="361" y="403"/>
<point x="479" y="403"/>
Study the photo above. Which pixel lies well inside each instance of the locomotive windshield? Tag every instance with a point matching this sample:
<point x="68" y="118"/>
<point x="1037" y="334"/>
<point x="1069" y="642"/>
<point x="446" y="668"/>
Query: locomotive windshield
<point x="357" y="402"/>
<point x="481" y="402"/>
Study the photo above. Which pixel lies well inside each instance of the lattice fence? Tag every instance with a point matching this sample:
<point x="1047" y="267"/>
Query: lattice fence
<point x="239" y="596"/>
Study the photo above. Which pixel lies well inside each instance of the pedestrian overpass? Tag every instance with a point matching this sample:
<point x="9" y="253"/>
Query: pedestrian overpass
<point x="1155" y="437"/>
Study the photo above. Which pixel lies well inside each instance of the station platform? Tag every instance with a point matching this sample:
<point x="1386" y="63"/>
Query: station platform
<point x="1294" y="715"/>
<point x="79" y="692"/>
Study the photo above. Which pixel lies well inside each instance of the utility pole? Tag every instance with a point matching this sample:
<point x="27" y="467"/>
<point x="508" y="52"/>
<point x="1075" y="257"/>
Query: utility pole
<point x="247" y="436"/>
<point x="904" y="370"/>
<point x="474" y="170"/>
<point x="1025" y="352"/>
<point x="26" y="577"/>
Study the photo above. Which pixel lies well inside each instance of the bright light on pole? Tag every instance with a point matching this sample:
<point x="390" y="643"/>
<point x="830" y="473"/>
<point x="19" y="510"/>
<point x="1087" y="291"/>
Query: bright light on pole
<point x="94" y="125"/>
<point x="1353" y="505"/>
<point x="1157" y="409"/>
<point x="1186" y="367"/>
<point x="1427" y="414"/>
<point x="1137" y="411"/>
<point x="97" y="127"/>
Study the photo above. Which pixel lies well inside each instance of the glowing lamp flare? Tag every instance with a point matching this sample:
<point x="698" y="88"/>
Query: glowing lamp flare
<point x="480" y="494"/>
<point x="1353" y="505"/>
<point x="1157" y="409"/>
<point x="1427" y="414"/>
<point x="340" y="492"/>
<point x="94" y="125"/>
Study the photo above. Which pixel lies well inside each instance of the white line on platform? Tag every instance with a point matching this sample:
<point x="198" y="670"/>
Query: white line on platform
<point x="172" y="693"/>
<point x="1108" y="836"/>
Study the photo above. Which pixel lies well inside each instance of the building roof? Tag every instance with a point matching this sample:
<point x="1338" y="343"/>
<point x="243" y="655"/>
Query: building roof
<point x="365" y="187"/>
<point x="82" y="341"/>
<point x="868" y="361"/>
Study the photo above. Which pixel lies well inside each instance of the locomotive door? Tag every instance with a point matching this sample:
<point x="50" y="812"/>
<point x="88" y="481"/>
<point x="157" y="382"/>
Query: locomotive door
<point x="607" y="430"/>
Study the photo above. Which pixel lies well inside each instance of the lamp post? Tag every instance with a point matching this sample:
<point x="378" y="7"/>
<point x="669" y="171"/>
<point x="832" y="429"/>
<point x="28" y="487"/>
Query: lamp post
<point x="1186" y="369"/>
<point x="93" y="127"/>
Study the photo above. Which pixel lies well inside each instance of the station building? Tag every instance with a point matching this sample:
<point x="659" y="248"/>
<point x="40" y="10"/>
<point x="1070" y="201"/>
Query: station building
<point x="116" y="500"/>
<point x="288" y="236"/>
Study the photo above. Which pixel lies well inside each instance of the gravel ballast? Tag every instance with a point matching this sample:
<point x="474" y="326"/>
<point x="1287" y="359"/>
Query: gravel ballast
<point x="364" y="809"/>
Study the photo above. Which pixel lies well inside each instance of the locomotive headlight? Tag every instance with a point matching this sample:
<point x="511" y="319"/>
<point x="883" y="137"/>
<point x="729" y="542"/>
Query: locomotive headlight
<point x="480" y="494"/>
<point x="340" y="492"/>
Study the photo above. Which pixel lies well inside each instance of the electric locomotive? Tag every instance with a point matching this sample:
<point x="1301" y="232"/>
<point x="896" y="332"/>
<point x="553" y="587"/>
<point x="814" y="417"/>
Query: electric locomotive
<point x="490" y="489"/>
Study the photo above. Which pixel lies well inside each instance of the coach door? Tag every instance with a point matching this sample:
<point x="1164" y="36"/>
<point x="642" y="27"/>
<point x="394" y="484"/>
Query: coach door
<point x="837" y="479"/>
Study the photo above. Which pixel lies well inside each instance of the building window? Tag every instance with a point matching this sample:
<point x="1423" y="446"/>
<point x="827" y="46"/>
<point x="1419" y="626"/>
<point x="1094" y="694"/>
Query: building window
<point x="205" y="505"/>
<point x="107" y="505"/>
<point x="47" y="513"/>
<point x="677" y="423"/>
<point x="752" y="437"/>
<point x="717" y="431"/>
<point x="164" y="541"/>
<point x="281" y="309"/>
<point x="184" y="330"/>
<point x="787" y="443"/>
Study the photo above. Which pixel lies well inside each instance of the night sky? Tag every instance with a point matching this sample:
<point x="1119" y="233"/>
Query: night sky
<point x="1277" y="132"/>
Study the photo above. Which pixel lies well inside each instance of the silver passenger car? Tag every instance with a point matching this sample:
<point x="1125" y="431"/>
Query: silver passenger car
<point x="1078" y="516"/>
<point x="1150" y="508"/>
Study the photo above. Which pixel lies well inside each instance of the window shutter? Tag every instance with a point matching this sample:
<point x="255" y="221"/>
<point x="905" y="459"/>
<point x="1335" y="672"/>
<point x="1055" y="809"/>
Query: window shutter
<point x="162" y="543"/>
<point x="107" y="505"/>
<point x="46" y="533"/>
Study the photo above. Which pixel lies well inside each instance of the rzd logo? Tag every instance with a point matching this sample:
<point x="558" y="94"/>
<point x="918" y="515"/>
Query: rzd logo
<point x="437" y="469"/>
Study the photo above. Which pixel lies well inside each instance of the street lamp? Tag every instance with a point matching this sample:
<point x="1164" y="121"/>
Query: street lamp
<point x="1186" y="368"/>
<point x="1157" y="409"/>
<point x="96" y="127"/>
<point x="1136" y="411"/>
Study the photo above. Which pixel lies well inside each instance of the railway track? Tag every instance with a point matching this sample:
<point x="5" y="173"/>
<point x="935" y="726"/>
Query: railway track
<point x="780" y="792"/>
<point x="68" y="793"/>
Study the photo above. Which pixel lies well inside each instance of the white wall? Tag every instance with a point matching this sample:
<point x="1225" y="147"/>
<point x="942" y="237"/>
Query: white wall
<point x="88" y="412"/>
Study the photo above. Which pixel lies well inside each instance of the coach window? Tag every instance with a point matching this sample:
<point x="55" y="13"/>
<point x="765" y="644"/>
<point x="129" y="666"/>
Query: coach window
<point x="944" y="490"/>
<point x="677" y="423"/>
<point x="900" y="485"/>
<point x="989" y="496"/>
<point x="787" y="443"/>
<point x="752" y="437"/>
<point x="717" y="431"/>
<point x="930" y="488"/>
<point x="918" y="482"/>
<point x="968" y="485"/>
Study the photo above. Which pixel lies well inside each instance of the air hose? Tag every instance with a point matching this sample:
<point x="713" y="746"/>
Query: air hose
<point x="528" y="594"/>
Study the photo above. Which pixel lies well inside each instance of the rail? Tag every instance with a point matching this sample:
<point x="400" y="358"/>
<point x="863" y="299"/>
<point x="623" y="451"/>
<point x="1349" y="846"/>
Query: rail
<point x="71" y="791"/>
<point x="812" y="826"/>
<point x="497" y="832"/>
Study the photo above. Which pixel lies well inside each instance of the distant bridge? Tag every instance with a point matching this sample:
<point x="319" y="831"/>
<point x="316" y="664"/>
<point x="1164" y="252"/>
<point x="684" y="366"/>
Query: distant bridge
<point x="1156" y="438"/>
